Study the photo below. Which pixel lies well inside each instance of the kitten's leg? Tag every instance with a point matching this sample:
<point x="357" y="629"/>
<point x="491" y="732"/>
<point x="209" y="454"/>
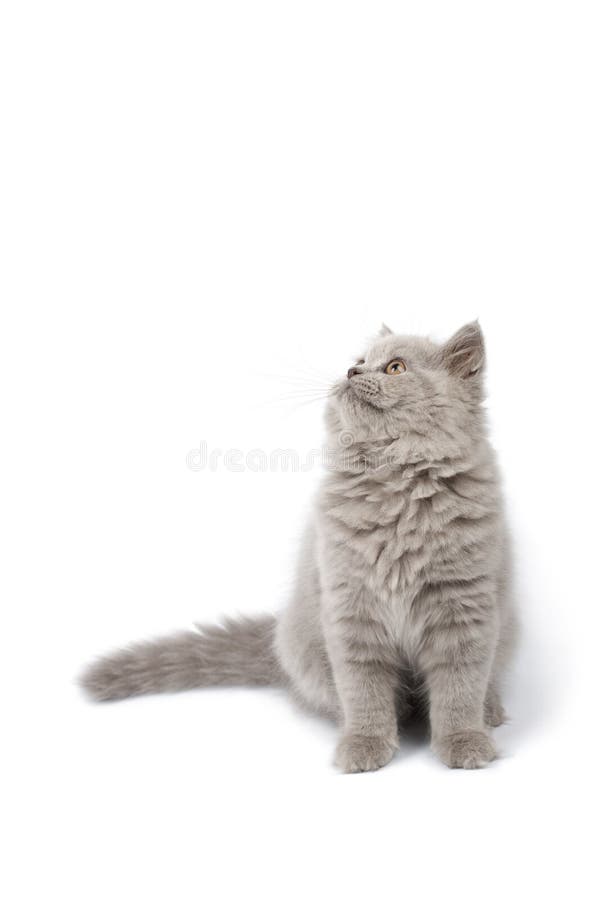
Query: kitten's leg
<point x="456" y="711"/>
<point x="494" y="714"/>
<point x="366" y="684"/>
<point x="457" y="667"/>
<point x="370" y="733"/>
<point x="494" y="711"/>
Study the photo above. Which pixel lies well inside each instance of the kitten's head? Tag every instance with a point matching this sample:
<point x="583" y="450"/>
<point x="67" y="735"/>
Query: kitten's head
<point x="418" y="397"/>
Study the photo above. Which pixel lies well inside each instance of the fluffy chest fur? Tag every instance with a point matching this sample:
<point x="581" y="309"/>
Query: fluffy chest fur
<point x="396" y="542"/>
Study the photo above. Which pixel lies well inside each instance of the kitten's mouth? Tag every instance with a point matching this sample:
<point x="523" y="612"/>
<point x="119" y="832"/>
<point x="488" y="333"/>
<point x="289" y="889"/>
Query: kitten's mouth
<point x="363" y="392"/>
<point x="358" y="395"/>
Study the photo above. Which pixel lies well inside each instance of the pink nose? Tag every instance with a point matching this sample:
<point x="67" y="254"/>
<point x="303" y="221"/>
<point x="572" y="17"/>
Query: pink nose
<point x="353" y="371"/>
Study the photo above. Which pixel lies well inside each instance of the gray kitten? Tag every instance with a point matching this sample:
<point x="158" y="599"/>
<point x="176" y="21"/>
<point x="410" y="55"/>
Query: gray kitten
<point x="402" y="591"/>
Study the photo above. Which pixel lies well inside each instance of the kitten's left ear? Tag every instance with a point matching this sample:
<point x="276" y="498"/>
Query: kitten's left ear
<point x="464" y="353"/>
<point x="385" y="330"/>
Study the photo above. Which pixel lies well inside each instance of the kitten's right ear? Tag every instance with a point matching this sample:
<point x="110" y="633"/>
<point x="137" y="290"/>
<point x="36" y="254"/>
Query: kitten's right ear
<point x="384" y="330"/>
<point x="464" y="353"/>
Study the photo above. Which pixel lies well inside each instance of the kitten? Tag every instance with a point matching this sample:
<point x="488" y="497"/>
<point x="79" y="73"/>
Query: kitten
<point x="402" y="589"/>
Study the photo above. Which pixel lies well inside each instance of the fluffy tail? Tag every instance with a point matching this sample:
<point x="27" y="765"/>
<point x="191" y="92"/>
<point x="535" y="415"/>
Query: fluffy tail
<point x="239" y="652"/>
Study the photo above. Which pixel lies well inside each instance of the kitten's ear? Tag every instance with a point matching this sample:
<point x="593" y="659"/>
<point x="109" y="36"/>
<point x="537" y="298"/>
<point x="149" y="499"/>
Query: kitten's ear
<point x="464" y="353"/>
<point x="384" y="330"/>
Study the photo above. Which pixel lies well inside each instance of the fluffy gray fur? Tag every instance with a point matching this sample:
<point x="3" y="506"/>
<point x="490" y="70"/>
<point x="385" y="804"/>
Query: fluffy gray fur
<point x="402" y="587"/>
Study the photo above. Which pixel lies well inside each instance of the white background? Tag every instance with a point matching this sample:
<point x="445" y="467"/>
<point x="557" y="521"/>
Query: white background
<point x="206" y="208"/>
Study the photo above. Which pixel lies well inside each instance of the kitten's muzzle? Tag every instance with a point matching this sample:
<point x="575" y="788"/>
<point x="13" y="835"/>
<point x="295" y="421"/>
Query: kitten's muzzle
<point x="364" y="388"/>
<point x="353" y="371"/>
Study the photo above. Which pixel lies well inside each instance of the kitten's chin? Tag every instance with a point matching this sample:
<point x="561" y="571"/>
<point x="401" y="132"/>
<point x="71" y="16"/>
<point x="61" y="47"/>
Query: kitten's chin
<point x="356" y="418"/>
<point x="364" y="405"/>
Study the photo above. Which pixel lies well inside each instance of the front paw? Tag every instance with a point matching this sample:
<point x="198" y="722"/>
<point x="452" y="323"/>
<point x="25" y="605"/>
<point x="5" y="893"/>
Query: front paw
<point x="363" y="753"/>
<point x="465" y="750"/>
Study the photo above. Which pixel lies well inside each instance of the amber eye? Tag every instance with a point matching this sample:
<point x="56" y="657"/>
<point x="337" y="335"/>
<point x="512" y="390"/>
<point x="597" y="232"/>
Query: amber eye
<point x="395" y="367"/>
